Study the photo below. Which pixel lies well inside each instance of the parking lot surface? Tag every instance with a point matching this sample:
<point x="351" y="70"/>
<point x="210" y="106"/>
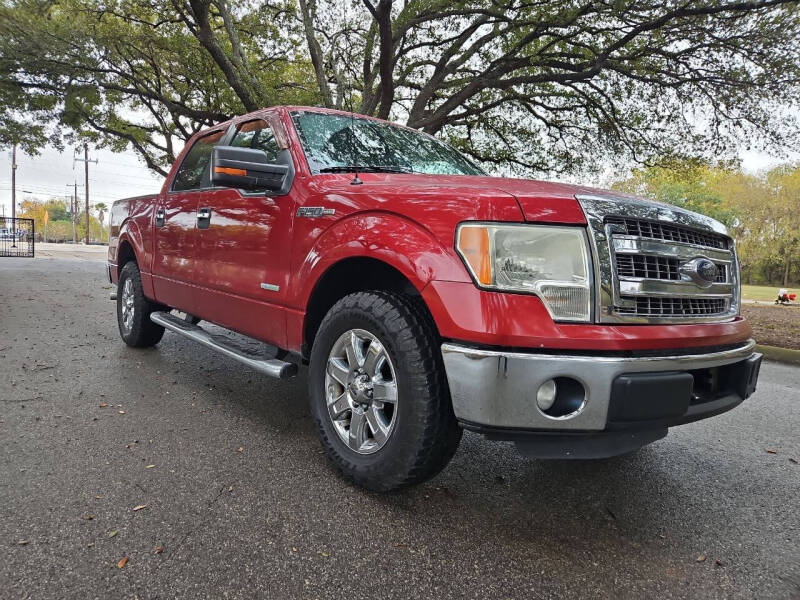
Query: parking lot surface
<point x="210" y="480"/>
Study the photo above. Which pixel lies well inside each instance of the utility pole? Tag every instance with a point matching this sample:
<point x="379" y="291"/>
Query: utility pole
<point x="73" y="210"/>
<point x="86" y="188"/>
<point x="14" y="195"/>
<point x="85" y="160"/>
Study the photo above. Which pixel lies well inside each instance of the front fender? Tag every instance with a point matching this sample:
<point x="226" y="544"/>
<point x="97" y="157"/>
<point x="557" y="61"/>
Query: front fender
<point x="391" y="238"/>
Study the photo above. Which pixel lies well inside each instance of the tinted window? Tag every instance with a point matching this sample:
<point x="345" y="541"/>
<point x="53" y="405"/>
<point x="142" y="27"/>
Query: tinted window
<point x="194" y="173"/>
<point x="257" y="135"/>
<point x="331" y="140"/>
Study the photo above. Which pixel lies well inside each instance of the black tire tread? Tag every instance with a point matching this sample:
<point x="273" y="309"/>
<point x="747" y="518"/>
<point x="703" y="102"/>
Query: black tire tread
<point x="144" y="332"/>
<point x="416" y="341"/>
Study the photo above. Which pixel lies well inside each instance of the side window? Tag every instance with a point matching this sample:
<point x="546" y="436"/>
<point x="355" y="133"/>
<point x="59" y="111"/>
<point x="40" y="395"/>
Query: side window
<point x="194" y="173"/>
<point x="258" y="136"/>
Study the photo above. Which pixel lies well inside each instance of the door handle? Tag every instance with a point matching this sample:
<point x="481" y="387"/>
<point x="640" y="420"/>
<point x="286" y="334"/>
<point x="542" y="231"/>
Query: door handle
<point x="203" y="218"/>
<point x="160" y="213"/>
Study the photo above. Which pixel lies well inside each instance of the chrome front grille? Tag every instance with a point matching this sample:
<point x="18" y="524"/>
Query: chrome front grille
<point x="658" y="267"/>
<point x="668" y="232"/>
<point x="669" y="307"/>
<point x="648" y="267"/>
<point x="655" y="263"/>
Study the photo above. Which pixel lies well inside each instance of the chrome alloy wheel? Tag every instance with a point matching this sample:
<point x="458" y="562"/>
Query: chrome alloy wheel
<point x="361" y="391"/>
<point x="126" y="301"/>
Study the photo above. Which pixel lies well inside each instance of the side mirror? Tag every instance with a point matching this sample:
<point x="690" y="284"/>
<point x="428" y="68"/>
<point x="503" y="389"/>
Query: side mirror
<point x="245" y="168"/>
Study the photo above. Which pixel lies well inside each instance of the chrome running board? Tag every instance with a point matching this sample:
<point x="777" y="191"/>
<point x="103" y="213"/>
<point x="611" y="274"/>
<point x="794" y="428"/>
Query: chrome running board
<point x="268" y="366"/>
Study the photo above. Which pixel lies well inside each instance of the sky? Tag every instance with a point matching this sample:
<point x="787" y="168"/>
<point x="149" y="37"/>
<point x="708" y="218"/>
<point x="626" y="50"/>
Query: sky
<point x="51" y="174"/>
<point x="120" y="175"/>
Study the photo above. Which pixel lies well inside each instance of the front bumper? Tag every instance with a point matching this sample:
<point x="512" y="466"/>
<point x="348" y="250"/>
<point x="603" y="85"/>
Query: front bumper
<point x="634" y="398"/>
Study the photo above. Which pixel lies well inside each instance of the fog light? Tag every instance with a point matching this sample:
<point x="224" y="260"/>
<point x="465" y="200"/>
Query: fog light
<point x="546" y="395"/>
<point x="561" y="397"/>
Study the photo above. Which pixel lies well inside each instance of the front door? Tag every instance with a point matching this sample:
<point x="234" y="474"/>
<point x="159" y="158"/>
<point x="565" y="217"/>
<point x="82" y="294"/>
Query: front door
<point x="175" y="227"/>
<point x="243" y="251"/>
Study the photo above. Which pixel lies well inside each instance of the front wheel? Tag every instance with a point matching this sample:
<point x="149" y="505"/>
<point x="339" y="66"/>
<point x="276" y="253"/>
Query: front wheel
<point x="379" y="394"/>
<point x="133" y="310"/>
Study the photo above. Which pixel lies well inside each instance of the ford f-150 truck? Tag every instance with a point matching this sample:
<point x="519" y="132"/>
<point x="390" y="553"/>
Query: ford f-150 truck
<point x="427" y="297"/>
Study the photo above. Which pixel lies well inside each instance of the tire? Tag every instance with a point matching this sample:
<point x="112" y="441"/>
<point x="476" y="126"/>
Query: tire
<point x="417" y="434"/>
<point x="133" y="310"/>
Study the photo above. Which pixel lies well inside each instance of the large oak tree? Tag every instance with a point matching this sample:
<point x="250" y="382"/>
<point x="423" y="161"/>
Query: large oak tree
<point x="528" y="85"/>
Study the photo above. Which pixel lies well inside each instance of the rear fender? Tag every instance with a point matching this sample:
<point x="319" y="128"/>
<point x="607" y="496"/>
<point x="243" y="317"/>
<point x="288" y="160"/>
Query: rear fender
<point x="130" y="233"/>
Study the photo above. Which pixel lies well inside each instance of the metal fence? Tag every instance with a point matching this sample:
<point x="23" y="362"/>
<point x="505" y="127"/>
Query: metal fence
<point x="16" y="237"/>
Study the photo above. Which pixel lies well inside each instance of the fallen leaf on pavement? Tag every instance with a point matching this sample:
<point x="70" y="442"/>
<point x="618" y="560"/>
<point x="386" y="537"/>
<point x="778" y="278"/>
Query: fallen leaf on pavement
<point x="113" y="533"/>
<point x="701" y="558"/>
<point x="139" y="507"/>
<point x="159" y="549"/>
<point x="97" y="497"/>
<point x="103" y="404"/>
<point x="122" y="562"/>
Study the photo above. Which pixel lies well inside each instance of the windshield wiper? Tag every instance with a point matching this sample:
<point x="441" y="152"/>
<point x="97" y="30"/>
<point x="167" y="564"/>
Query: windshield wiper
<point x="366" y="169"/>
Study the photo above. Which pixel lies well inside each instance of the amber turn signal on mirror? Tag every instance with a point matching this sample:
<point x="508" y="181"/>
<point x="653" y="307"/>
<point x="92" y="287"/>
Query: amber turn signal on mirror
<point x="230" y="171"/>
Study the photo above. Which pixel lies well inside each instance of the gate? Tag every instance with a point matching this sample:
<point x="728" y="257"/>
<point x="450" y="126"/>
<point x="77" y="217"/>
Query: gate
<point x="16" y="237"/>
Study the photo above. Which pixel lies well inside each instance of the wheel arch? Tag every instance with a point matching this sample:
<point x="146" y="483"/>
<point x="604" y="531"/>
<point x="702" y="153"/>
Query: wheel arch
<point x="125" y="254"/>
<point x="348" y="276"/>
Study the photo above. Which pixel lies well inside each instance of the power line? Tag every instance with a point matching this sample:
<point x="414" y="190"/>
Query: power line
<point x="54" y="190"/>
<point x="140" y="183"/>
<point x="101" y="171"/>
<point x="31" y="164"/>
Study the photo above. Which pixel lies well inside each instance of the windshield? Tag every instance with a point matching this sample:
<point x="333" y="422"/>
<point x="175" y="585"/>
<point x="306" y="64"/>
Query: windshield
<point x="338" y="143"/>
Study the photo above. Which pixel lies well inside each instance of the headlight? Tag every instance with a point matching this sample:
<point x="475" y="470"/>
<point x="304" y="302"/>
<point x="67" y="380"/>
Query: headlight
<point x="549" y="261"/>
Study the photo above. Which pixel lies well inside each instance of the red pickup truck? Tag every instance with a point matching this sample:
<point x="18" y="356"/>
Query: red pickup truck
<point x="428" y="297"/>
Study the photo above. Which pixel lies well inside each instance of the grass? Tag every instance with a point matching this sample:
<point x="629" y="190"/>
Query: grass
<point x="762" y="293"/>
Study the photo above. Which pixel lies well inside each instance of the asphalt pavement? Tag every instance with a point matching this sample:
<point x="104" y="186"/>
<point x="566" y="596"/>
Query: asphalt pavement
<point x="209" y="479"/>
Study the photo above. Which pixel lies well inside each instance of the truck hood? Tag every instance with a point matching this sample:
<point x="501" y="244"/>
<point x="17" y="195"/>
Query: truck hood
<point x="539" y="201"/>
<point x="543" y="201"/>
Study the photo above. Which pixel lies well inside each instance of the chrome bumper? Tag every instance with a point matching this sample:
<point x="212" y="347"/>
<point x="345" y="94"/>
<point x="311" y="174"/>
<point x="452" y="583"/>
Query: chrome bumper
<point x="496" y="389"/>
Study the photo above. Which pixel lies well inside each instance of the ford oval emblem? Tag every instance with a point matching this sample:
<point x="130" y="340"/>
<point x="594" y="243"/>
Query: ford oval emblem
<point x="707" y="270"/>
<point x="700" y="270"/>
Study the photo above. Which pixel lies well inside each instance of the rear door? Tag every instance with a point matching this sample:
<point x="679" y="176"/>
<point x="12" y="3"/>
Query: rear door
<point x="175" y="227"/>
<point x="243" y="248"/>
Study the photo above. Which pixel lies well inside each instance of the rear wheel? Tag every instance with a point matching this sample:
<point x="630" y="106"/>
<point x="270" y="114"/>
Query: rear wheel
<point x="379" y="395"/>
<point x="133" y="310"/>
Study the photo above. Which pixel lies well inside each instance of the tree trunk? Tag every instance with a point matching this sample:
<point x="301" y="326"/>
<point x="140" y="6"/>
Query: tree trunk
<point x="314" y="49"/>
<point x="238" y="78"/>
<point x="382" y="13"/>
<point x="786" y="263"/>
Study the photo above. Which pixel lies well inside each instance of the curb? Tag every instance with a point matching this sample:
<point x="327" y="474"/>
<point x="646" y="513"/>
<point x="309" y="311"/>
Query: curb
<point x="784" y="355"/>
